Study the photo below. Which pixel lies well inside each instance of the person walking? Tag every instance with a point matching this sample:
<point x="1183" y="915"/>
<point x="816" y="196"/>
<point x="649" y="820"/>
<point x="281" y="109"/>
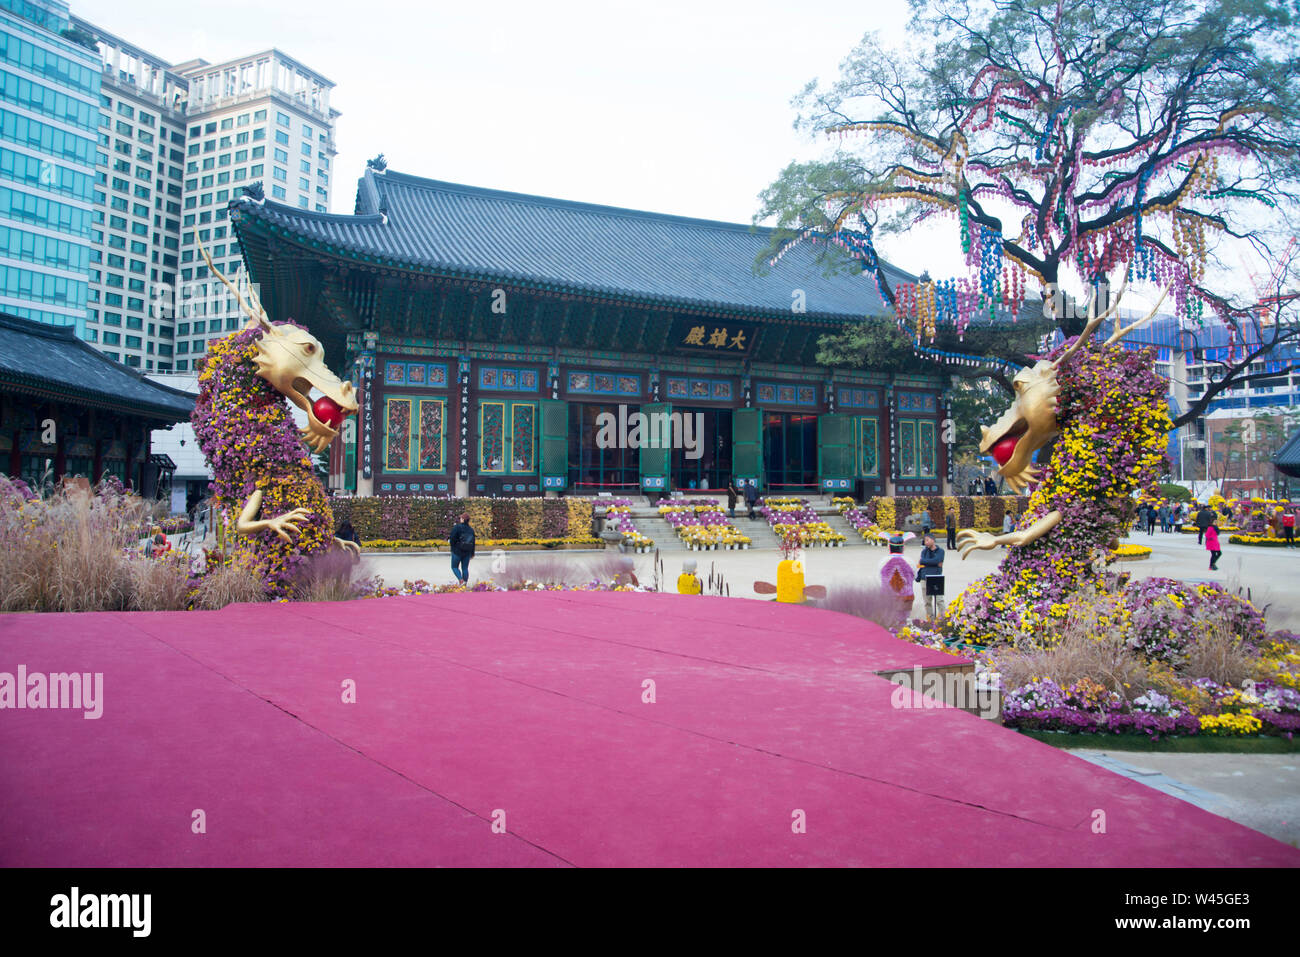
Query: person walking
<point x="1204" y="519"/>
<point x="1212" y="546"/>
<point x="751" y="495"/>
<point x="927" y="523"/>
<point x="1151" y="519"/>
<point x="1288" y="527"/>
<point x="951" y="522"/>
<point x="930" y="573"/>
<point x="461" y="541"/>
<point x="1164" y="519"/>
<point x="733" y="495"/>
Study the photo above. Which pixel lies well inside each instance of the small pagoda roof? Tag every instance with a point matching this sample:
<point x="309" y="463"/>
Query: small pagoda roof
<point x="51" y="362"/>
<point x="1287" y="459"/>
<point x="467" y="232"/>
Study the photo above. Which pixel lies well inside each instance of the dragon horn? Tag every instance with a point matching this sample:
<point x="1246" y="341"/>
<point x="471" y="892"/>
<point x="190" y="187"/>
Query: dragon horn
<point x="258" y="316"/>
<point x="1120" y="333"/>
<point x="1094" y="321"/>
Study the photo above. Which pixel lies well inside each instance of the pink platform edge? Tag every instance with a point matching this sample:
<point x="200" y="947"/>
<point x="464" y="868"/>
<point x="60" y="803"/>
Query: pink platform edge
<point x="531" y="704"/>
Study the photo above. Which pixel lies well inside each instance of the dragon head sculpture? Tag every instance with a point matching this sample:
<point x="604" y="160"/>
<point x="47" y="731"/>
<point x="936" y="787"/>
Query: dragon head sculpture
<point x="292" y="360"/>
<point x="1030" y="423"/>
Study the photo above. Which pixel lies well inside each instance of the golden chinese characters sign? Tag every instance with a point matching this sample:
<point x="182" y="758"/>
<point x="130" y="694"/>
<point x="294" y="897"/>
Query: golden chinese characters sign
<point x="719" y="337"/>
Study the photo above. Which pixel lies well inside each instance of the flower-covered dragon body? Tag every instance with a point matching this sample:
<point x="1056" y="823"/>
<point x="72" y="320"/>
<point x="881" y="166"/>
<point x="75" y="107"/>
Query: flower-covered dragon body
<point x="262" y="471"/>
<point x="1106" y="409"/>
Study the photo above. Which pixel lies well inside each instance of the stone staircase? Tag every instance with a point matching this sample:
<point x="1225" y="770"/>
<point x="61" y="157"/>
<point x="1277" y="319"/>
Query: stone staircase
<point x="665" y="537"/>
<point x="841" y="524"/>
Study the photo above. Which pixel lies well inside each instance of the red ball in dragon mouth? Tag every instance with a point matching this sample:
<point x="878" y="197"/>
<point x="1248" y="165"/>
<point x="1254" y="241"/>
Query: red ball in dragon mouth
<point x="1004" y="449"/>
<point x="328" y="411"/>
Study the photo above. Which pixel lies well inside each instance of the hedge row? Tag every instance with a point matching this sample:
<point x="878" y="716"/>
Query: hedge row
<point x="405" y="518"/>
<point x="977" y="511"/>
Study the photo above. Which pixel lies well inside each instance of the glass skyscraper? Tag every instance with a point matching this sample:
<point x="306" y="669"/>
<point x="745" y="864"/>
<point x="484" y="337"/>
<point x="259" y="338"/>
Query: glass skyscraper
<point x="49" y="118"/>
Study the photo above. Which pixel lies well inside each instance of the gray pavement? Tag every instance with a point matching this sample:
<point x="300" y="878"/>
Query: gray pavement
<point x="1261" y="791"/>
<point x="1272" y="575"/>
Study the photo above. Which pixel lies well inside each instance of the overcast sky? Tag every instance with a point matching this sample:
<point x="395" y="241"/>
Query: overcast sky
<point x="671" y="106"/>
<point x="675" y="107"/>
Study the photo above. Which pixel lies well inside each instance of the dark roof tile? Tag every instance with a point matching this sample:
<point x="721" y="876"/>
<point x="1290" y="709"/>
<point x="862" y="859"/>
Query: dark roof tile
<point x="37" y="355"/>
<point x="513" y="237"/>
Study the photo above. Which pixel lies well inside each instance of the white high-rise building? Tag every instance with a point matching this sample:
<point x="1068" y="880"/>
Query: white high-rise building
<point x="137" y="216"/>
<point x="176" y="144"/>
<point x="262" y="119"/>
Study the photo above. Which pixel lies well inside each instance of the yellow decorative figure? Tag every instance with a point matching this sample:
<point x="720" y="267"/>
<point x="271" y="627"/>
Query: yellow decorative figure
<point x="789" y="581"/>
<point x="688" y="583"/>
<point x="790" y="587"/>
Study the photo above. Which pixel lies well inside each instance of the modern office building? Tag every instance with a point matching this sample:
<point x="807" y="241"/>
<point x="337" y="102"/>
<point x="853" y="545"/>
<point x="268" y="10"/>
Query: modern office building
<point x="138" y="204"/>
<point x="175" y="144"/>
<point x="49" y="116"/>
<point x="1193" y="356"/>
<point x="262" y="119"/>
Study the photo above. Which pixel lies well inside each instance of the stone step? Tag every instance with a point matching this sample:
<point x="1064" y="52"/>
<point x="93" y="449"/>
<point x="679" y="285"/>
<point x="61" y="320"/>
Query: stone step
<point x="841" y="524"/>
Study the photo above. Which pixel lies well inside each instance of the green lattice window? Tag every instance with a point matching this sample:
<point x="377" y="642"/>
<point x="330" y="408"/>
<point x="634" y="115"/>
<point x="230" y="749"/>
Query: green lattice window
<point x="868" y="446"/>
<point x="507" y="438"/>
<point x="926" y="450"/>
<point x="907" y="461"/>
<point x="415" y="436"/>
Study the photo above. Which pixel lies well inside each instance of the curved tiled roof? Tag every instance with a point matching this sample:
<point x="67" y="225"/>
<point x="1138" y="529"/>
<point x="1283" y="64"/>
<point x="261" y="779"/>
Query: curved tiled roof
<point x="51" y="360"/>
<point x="1287" y="459"/>
<point x="514" y="238"/>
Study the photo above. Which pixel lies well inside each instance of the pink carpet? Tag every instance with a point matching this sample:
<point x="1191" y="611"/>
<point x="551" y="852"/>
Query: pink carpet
<point x="531" y="704"/>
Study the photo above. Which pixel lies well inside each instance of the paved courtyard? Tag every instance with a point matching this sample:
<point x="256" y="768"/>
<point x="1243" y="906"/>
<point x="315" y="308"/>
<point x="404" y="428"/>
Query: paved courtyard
<point x="1271" y="574"/>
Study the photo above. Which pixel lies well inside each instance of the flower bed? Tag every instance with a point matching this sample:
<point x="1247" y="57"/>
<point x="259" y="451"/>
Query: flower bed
<point x="868" y="529"/>
<point x="1164" y="628"/>
<point x="702" y="525"/>
<point x="422" y="587"/>
<point x="618" y="516"/>
<point x="787" y="515"/>
<point x="420" y="518"/>
<point x="1086" y="708"/>
<point x="508" y="544"/>
<point x="983" y="512"/>
<point x="1264" y="541"/>
<point x="1129" y="552"/>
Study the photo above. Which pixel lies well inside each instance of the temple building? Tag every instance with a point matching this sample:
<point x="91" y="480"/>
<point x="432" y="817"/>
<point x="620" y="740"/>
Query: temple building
<point x="68" y="410"/>
<point x="504" y="344"/>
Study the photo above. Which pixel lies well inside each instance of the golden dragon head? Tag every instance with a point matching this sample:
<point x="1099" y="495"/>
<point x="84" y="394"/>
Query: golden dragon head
<point x="1030" y="423"/>
<point x="292" y="360"/>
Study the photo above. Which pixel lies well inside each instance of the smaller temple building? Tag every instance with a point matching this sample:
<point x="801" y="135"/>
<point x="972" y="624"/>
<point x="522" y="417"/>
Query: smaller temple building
<point x="66" y="409"/>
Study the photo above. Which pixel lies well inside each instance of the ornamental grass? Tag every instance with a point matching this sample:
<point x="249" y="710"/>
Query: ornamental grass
<point x="869" y="601"/>
<point x="335" y="575"/>
<point x="228" y="585"/>
<point x="539" y="569"/>
<point x="161" y="584"/>
<point x="70" y="551"/>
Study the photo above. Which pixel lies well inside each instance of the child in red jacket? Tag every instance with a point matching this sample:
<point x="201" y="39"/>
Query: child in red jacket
<point x="1212" y="546"/>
